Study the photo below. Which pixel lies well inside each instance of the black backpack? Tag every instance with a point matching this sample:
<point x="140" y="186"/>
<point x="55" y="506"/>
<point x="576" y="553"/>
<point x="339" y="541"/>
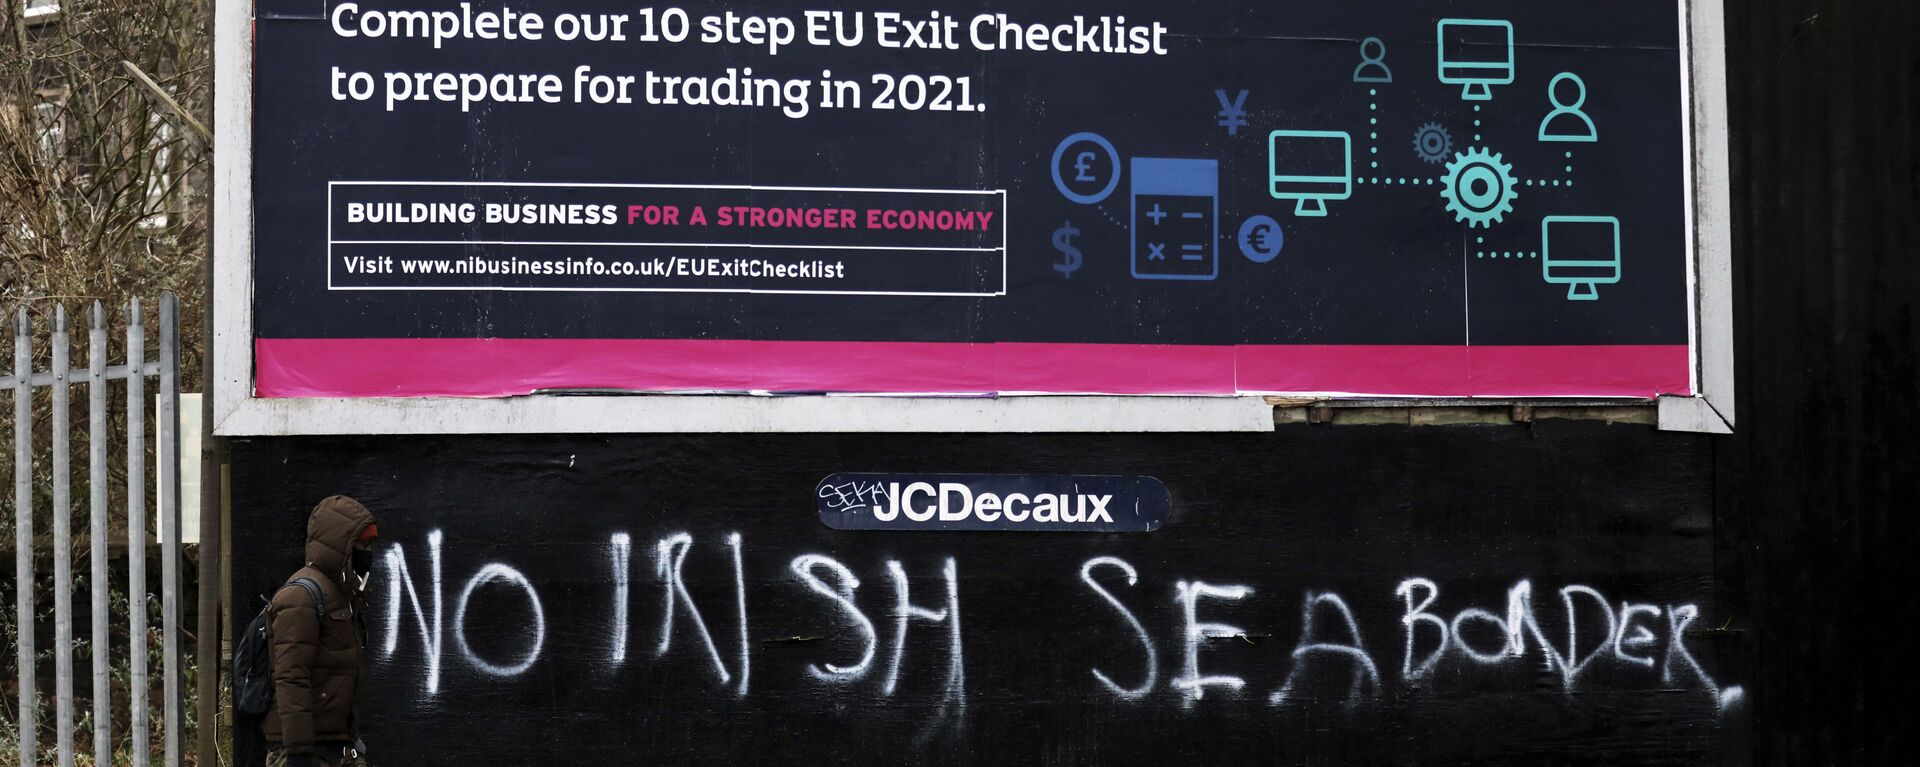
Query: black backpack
<point x="253" y="659"/>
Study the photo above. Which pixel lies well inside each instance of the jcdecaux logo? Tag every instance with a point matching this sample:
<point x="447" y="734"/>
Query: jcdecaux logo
<point x="1012" y="502"/>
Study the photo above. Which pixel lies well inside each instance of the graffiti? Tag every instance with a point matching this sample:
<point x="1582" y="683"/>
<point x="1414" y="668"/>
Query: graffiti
<point x="504" y="574"/>
<point x="853" y="493"/>
<point x="670" y="560"/>
<point x="1332" y="644"/>
<point x="621" y="548"/>
<point x="397" y="577"/>
<point x="1152" y="672"/>
<point x="950" y="615"/>
<point x="740" y="599"/>
<point x="1414" y="615"/>
<point x="1366" y="678"/>
<point x="841" y="593"/>
<point x="1188" y="595"/>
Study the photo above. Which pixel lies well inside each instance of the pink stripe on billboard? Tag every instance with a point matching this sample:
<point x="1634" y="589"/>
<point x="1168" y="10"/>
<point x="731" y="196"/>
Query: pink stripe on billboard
<point x="402" y="367"/>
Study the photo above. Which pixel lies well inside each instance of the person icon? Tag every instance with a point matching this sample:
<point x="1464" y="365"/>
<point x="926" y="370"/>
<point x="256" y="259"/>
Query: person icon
<point x="1373" y="62"/>
<point x="1566" y="122"/>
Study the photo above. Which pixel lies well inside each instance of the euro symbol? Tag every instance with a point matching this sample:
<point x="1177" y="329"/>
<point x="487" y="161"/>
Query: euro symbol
<point x="1259" y="237"/>
<point x="1081" y="163"/>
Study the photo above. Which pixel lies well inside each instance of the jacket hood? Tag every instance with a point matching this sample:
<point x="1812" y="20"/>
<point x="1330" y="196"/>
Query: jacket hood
<point x="331" y="530"/>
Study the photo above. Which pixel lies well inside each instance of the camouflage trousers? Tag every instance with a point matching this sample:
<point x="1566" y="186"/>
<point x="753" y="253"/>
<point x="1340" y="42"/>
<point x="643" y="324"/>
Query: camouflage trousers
<point x="278" y="758"/>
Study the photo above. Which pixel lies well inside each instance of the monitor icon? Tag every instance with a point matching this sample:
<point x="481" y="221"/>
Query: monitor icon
<point x="1310" y="168"/>
<point x="1475" y="54"/>
<point x="1581" y="252"/>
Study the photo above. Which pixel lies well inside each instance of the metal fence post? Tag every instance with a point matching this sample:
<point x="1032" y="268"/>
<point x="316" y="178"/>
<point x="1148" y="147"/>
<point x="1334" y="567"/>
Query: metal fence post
<point x="167" y="452"/>
<point x="97" y="509"/>
<point x="59" y="379"/>
<point x="137" y="536"/>
<point x="62" y="545"/>
<point x="23" y="527"/>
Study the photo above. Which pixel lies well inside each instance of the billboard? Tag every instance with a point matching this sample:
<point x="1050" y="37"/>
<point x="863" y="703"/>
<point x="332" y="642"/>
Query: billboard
<point x="1443" y="200"/>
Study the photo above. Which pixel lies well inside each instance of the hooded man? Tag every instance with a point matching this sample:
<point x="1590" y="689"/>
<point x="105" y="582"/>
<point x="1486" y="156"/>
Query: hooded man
<point x="316" y="657"/>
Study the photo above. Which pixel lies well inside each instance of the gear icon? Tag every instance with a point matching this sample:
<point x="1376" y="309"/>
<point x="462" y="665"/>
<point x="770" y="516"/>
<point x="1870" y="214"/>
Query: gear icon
<point x="1432" y="143"/>
<point x="1479" y="187"/>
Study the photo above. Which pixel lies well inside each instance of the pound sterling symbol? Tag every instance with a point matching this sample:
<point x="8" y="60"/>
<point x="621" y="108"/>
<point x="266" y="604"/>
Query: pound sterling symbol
<point x="1069" y="255"/>
<point x="1081" y="163"/>
<point x="1232" y="116"/>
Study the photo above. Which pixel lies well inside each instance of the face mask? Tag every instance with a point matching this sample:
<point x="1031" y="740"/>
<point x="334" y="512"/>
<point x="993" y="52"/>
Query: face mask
<point x="362" y="564"/>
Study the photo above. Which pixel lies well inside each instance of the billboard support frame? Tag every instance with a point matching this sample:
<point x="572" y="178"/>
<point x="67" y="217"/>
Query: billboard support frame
<point x="237" y="412"/>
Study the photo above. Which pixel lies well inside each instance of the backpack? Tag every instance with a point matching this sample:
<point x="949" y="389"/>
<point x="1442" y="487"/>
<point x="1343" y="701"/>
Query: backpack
<point x="253" y="658"/>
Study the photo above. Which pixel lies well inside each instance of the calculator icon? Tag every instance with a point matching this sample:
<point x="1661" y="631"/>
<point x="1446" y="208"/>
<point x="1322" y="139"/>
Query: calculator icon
<point x="1176" y="218"/>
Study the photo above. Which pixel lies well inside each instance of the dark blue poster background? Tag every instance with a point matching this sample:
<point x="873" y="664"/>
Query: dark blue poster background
<point x="1181" y="213"/>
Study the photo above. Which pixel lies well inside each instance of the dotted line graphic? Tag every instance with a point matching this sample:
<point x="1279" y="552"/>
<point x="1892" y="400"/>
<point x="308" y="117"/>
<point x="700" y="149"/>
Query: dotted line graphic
<point x="1501" y="253"/>
<point x="1388" y="181"/>
<point x="1476" y="123"/>
<point x="1373" y="127"/>
<point x="1554" y="181"/>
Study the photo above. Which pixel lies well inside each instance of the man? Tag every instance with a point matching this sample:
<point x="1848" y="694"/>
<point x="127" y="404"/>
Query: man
<point x="316" y="657"/>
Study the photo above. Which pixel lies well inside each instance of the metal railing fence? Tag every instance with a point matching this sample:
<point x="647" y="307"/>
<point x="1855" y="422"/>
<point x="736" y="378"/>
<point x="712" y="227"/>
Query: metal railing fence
<point x="98" y="377"/>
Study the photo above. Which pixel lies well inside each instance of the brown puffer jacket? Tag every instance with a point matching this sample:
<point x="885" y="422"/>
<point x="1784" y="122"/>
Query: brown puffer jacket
<point x="316" y="663"/>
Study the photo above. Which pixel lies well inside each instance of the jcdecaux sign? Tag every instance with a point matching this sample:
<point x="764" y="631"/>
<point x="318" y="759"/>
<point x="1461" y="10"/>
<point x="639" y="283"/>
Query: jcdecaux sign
<point x="1060" y="503"/>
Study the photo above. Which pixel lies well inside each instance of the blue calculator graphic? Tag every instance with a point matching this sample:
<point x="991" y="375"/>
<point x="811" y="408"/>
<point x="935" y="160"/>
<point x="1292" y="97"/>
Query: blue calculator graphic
<point x="1176" y="218"/>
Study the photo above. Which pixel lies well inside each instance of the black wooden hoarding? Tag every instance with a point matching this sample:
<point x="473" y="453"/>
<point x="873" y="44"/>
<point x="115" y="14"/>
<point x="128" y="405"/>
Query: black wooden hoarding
<point x="1814" y="487"/>
<point x="592" y="600"/>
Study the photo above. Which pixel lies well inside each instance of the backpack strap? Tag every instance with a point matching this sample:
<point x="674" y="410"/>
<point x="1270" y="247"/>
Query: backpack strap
<point x="319" y="597"/>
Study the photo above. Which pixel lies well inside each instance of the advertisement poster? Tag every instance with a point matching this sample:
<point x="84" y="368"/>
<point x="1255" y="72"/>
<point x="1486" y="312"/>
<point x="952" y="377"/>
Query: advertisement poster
<point x="1434" y="199"/>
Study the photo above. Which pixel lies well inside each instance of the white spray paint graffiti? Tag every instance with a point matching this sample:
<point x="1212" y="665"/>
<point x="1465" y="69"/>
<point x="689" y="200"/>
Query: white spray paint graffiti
<point x="1139" y="631"/>
<point x="1573" y="664"/>
<point x="504" y="574"/>
<point x="1329" y="631"/>
<point x="669" y="561"/>
<point x="1677" y="620"/>
<point x="1642" y="637"/>
<point x="1521" y="622"/>
<point x="622" y="552"/>
<point x="740" y="598"/>
<point x="842" y="594"/>
<point x="953" y="701"/>
<point x="905" y="610"/>
<point x="953" y="698"/>
<point x="1460" y="639"/>
<point x="1191" y="681"/>
<point x="1366" y="678"/>
<point x="397" y="577"/>
<point x="1417" y="614"/>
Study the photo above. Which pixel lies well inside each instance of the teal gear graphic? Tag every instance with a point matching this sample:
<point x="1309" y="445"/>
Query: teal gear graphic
<point x="1432" y="143"/>
<point x="1478" y="187"/>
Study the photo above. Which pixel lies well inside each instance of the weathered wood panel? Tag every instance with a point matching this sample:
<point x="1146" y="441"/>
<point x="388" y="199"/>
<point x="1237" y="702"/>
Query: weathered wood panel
<point x="1817" y="488"/>
<point x="1329" y="517"/>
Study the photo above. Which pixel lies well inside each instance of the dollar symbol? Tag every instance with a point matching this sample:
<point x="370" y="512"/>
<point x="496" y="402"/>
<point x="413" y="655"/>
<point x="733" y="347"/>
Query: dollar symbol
<point x="1069" y="255"/>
